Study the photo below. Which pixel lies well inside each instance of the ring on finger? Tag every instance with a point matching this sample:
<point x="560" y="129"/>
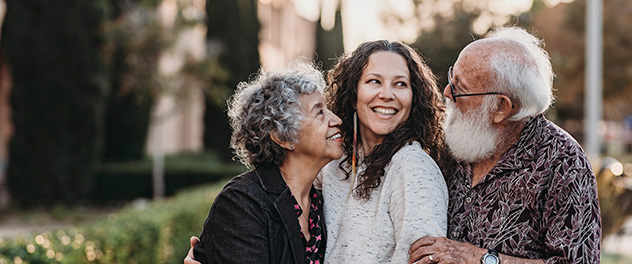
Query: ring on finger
<point x="431" y="258"/>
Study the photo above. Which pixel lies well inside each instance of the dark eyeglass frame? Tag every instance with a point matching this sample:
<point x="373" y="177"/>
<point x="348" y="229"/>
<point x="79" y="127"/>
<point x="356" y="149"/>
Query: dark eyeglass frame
<point x="454" y="96"/>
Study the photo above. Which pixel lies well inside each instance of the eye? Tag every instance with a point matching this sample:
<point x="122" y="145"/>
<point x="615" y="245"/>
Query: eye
<point x="320" y="112"/>
<point x="456" y="88"/>
<point x="375" y="81"/>
<point x="402" y="84"/>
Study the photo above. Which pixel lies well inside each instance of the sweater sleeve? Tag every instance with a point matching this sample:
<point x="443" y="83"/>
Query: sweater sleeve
<point x="418" y="199"/>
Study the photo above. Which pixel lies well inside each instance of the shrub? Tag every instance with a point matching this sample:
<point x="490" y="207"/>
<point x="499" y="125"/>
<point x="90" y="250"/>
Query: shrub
<point x="157" y="232"/>
<point x="115" y="181"/>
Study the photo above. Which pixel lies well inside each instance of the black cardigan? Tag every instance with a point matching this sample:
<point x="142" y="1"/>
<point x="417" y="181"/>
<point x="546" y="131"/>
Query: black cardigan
<point x="253" y="220"/>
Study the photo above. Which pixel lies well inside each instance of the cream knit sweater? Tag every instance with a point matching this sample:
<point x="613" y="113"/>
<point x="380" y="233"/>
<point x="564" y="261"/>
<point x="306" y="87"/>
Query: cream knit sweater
<point x="411" y="202"/>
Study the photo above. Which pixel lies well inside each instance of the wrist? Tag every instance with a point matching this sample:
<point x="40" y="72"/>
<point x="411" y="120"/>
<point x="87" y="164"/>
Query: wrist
<point x="491" y="257"/>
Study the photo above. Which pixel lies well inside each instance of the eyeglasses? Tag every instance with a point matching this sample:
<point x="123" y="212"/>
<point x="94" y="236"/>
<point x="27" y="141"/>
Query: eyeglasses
<point x="454" y="96"/>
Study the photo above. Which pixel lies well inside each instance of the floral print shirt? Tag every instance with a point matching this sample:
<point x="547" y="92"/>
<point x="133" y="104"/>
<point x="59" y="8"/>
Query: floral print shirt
<point x="314" y="248"/>
<point x="538" y="202"/>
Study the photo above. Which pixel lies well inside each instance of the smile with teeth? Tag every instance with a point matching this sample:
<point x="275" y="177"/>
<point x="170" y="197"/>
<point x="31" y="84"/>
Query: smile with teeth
<point x="384" y="111"/>
<point x="335" y="136"/>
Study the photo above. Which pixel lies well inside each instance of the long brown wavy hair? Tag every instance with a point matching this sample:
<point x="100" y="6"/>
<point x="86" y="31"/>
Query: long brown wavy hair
<point x="424" y="123"/>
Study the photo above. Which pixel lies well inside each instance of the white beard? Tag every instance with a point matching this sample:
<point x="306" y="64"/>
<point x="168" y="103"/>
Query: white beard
<point x="470" y="137"/>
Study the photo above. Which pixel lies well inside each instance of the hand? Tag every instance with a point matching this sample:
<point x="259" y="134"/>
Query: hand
<point x="190" y="259"/>
<point x="443" y="250"/>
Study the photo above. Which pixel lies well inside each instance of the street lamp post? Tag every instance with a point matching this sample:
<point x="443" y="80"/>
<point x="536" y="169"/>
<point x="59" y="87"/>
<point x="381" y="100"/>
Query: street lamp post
<point x="594" y="73"/>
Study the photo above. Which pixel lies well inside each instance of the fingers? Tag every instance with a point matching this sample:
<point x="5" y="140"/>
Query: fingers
<point x="421" y="255"/>
<point x="422" y="249"/>
<point x="422" y="242"/>
<point x="190" y="259"/>
<point x="427" y="259"/>
<point x="193" y="240"/>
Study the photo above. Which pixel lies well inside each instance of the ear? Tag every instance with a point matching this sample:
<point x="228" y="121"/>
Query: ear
<point x="284" y="144"/>
<point x="504" y="109"/>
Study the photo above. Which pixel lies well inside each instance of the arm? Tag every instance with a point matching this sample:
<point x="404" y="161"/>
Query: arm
<point x="235" y="230"/>
<point x="418" y="199"/>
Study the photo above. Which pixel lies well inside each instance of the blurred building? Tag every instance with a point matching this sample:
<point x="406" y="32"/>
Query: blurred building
<point x="284" y="35"/>
<point x="177" y="124"/>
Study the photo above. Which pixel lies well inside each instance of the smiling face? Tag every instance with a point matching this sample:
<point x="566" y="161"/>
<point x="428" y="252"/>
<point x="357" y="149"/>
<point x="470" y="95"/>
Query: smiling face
<point x="319" y="136"/>
<point x="384" y="97"/>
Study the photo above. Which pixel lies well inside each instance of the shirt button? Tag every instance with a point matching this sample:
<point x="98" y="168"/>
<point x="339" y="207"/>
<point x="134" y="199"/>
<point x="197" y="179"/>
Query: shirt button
<point x="468" y="200"/>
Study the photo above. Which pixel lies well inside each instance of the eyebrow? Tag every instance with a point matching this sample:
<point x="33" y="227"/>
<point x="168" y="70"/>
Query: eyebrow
<point x="318" y="105"/>
<point x="457" y="82"/>
<point x="396" y="76"/>
<point x="460" y="86"/>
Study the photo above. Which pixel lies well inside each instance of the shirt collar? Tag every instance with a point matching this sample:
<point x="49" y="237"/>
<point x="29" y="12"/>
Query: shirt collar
<point x="270" y="178"/>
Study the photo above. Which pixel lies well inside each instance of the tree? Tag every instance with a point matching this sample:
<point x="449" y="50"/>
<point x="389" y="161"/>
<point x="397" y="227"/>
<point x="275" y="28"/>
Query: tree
<point x="233" y="38"/>
<point x="329" y="42"/>
<point x="441" y="46"/>
<point x="58" y="96"/>
<point x="569" y="59"/>
<point x="136" y="39"/>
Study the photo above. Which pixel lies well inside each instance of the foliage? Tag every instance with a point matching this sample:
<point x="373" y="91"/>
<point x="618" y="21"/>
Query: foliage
<point x="617" y="60"/>
<point x="57" y="98"/>
<point x="123" y="181"/>
<point x="329" y="44"/>
<point x="135" y="41"/>
<point x="138" y="38"/>
<point x="233" y="39"/>
<point x="615" y="199"/>
<point x="84" y="85"/>
<point x="442" y="45"/>
<point x="152" y="233"/>
<point x="205" y="75"/>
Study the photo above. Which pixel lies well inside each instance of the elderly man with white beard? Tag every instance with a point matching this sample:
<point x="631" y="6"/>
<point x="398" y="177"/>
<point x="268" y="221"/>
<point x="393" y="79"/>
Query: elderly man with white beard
<point x="521" y="189"/>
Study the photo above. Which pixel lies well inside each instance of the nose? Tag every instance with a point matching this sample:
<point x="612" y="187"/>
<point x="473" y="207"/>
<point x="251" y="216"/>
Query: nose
<point x="447" y="92"/>
<point x="386" y="93"/>
<point x="335" y="120"/>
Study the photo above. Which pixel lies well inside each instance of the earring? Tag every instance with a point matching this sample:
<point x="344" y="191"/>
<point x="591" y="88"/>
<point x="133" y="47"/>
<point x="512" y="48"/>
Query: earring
<point x="355" y="143"/>
<point x="291" y="147"/>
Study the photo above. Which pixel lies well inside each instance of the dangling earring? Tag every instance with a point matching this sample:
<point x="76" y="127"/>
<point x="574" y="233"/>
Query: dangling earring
<point x="355" y="143"/>
<point x="353" y="158"/>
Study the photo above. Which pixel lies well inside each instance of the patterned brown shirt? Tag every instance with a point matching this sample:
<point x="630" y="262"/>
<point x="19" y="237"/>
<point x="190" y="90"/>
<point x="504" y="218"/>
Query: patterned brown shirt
<point x="538" y="202"/>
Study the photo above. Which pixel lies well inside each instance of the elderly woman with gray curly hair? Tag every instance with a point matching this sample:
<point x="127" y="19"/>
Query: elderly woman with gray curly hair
<point x="273" y="214"/>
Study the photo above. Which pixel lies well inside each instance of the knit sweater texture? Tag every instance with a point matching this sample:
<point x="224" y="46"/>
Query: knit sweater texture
<point x="411" y="202"/>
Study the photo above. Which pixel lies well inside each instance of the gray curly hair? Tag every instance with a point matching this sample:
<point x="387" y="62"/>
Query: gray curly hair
<point x="269" y="103"/>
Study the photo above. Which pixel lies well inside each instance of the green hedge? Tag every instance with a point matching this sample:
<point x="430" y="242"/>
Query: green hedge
<point x="157" y="233"/>
<point x="116" y="181"/>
